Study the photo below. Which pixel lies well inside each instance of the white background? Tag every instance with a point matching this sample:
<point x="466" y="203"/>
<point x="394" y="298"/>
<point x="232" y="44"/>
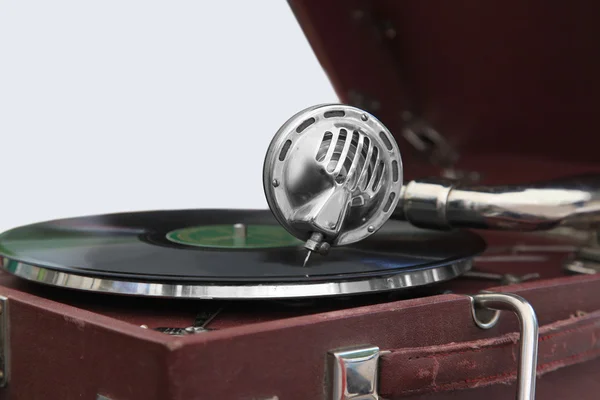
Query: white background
<point x="123" y="105"/>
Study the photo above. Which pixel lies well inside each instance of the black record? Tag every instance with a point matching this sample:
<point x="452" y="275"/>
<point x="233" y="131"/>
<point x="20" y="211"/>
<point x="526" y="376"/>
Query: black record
<point x="225" y="254"/>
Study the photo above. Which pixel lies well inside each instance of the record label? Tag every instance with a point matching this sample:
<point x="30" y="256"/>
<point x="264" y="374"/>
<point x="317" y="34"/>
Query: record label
<point x="234" y="236"/>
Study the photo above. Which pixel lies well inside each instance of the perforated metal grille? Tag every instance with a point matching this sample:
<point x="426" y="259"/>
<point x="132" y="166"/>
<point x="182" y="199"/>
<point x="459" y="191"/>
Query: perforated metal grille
<point x="352" y="159"/>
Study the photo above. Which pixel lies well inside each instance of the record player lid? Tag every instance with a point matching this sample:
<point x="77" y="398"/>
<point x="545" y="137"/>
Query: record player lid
<point x="491" y="77"/>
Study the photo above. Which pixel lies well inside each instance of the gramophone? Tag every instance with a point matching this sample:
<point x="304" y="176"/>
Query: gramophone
<point x="452" y="200"/>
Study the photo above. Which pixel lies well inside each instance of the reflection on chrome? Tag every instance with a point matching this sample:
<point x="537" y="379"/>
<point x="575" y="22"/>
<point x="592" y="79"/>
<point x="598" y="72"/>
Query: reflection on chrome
<point x="242" y="290"/>
<point x="443" y="204"/>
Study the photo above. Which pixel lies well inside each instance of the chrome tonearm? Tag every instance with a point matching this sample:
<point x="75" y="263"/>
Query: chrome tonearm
<point x="333" y="176"/>
<point x="439" y="204"/>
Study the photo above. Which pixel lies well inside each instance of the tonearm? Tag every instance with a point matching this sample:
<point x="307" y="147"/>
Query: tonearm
<point x="333" y="176"/>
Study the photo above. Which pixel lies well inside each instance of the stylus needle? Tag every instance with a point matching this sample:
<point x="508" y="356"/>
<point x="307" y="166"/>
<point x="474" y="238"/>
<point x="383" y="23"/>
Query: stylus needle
<point x="307" y="257"/>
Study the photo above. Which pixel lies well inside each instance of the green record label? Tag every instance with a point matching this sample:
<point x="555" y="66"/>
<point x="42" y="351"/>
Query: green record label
<point x="234" y="236"/>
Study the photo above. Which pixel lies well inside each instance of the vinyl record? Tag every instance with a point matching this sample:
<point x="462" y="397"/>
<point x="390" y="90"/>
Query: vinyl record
<point x="225" y="254"/>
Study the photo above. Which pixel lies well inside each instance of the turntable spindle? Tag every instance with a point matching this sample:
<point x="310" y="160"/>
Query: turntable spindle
<point x="240" y="233"/>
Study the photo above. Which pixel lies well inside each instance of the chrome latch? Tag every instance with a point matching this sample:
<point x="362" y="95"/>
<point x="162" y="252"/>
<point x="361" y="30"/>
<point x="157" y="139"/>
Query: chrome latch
<point x="354" y="373"/>
<point x="4" y="342"/>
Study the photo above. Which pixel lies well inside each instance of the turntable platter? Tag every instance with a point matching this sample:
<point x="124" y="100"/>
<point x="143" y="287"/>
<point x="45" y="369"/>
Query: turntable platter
<point x="225" y="254"/>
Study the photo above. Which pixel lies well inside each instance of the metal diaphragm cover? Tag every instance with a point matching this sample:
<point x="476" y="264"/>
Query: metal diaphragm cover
<point x="334" y="170"/>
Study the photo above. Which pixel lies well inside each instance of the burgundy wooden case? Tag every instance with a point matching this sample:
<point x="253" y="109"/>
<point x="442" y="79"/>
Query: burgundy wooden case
<point x="514" y="88"/>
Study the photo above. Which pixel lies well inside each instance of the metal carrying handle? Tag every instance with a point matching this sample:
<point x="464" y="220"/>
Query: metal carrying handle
<point x="526" y="369"/>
